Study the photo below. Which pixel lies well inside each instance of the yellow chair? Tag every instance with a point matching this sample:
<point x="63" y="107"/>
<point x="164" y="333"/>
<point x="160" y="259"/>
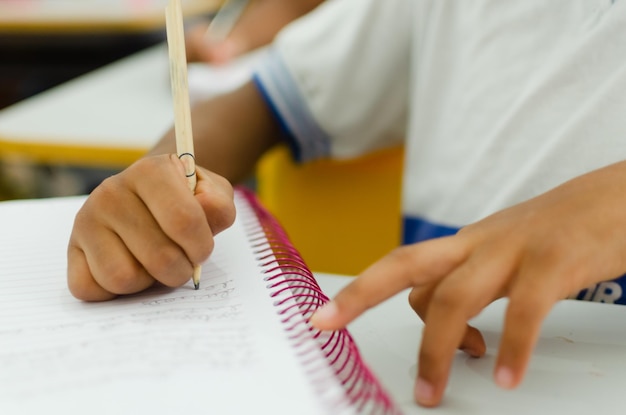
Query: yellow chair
<point x="340" y="215"/>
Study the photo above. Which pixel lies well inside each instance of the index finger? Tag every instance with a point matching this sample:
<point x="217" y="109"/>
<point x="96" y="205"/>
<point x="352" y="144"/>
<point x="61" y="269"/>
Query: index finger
<point x="404" y="267"/>
<point x="172" y="205"/>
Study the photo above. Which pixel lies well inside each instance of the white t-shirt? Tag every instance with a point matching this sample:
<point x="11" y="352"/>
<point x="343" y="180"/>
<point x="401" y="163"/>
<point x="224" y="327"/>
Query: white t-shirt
<point x="495" y="101"/>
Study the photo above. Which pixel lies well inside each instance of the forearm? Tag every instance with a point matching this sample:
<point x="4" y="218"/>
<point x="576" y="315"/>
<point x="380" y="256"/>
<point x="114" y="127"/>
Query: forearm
<point x="302" y="6"/>
<point x="231" y="132"/>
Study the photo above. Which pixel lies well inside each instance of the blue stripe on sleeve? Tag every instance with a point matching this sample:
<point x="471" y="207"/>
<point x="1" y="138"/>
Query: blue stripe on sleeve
<point x="285" y="133"/>
<point x="282" y="93"/>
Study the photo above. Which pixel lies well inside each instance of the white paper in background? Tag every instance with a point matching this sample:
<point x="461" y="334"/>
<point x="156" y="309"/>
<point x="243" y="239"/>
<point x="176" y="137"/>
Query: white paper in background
<point x="206" y="80"/>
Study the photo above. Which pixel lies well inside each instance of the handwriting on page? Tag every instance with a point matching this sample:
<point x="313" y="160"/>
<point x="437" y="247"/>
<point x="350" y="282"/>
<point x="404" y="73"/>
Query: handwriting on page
<point x="221" y="349"/>
<point x="143" y="336"/>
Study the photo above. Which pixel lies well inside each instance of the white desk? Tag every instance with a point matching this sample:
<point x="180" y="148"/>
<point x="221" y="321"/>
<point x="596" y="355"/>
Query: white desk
<point x="109" y="117"/>
<point x="90" y="16"/>
<point x="579" y="365"/>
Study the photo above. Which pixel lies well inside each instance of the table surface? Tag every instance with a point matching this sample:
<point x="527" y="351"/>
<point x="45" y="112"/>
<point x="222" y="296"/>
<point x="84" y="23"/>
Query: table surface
<point x="111" y="116"/>
<point x="578" y="367"/>
<point x="90" y="16"/>
<point x="104" y="117"/>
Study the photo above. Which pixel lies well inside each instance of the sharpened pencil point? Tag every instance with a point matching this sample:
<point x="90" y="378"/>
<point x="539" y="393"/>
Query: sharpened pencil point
<point x="175" y="33"/>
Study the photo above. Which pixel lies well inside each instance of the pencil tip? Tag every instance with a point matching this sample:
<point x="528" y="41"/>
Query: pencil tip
<point x="196" y="285"/>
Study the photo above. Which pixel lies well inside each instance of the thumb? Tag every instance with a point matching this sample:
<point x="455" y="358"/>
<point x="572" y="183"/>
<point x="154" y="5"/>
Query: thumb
<point x="216" y="197"/>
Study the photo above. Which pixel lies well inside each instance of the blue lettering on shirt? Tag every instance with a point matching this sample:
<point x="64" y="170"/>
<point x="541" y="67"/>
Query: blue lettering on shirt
<point x="418" y="230"/>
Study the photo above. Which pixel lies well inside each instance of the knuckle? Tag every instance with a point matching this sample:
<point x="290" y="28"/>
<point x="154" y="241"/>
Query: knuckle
<point x="146" y="165"/>
<point x="108" y="188"/>
<point x="104" y="199"/>
<point x="223" y="214"/>
<point x="79" y="279"/>
<point x="171" y="267"/>
<point x="555" y="246"/>
<point x="82" y="223"/>
<point x="402" y="255"/>
<point x="153" y="166"/>
<point x="78" y="286"/>
<point x="222" y="183"/>
<point x="448" y="298"/>
<point x="188" y="227"/>
<point x="185" y="222"/>
<point x="418" y="300"/>
<point x="80" y="291"/>
<point x="545" y="250"/>
<point x="202" y="251"/>
<point x="218" y="204"/>
<point x="121" y="276"/>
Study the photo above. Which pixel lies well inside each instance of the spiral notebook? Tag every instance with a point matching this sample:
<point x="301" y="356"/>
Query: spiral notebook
<point x="241" y="344"/>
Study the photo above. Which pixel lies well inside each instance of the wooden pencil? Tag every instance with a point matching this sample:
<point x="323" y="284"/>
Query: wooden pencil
<point x="180" y="94"/>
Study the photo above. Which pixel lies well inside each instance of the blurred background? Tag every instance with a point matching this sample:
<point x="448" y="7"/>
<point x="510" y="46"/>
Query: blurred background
<point x="45" y="43"/>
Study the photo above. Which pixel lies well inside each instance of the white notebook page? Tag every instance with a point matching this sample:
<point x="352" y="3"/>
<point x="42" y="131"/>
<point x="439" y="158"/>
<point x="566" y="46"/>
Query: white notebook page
<point x="217" y="350"/>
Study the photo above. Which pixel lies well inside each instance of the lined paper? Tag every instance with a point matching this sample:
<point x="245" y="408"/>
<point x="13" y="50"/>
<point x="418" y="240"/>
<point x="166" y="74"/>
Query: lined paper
<point x="220" y="349"/>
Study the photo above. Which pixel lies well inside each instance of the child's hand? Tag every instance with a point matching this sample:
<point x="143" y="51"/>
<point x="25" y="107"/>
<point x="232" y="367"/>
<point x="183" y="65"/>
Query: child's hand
<point x="145" y="225"/>
<point x="535" y="253"/>
<point x="259" y="23"/>
<point x="200" y="48"/>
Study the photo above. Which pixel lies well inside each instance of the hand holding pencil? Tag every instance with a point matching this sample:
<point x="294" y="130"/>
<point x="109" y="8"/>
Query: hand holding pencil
<point x="146" y="225"/>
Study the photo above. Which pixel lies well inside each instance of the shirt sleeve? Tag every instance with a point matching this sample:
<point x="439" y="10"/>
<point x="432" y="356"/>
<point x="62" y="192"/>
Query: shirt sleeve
<point x="337" y="79"/>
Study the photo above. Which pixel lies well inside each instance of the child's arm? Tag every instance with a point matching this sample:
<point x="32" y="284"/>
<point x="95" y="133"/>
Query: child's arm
<point x="144" y="225"/>
<point x="231" y="132"/>
<point x="535" y="253"/>
<point x="258" y="25"/>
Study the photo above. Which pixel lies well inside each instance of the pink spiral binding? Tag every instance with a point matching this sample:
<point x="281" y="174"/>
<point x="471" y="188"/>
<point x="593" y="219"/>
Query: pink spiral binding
<point x="286" y="272"/>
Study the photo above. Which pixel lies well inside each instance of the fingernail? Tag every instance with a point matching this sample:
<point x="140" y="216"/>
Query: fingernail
<point x="424" y="391"/>
<point x="505" y="378"/>
<point x="324" y="314"/>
